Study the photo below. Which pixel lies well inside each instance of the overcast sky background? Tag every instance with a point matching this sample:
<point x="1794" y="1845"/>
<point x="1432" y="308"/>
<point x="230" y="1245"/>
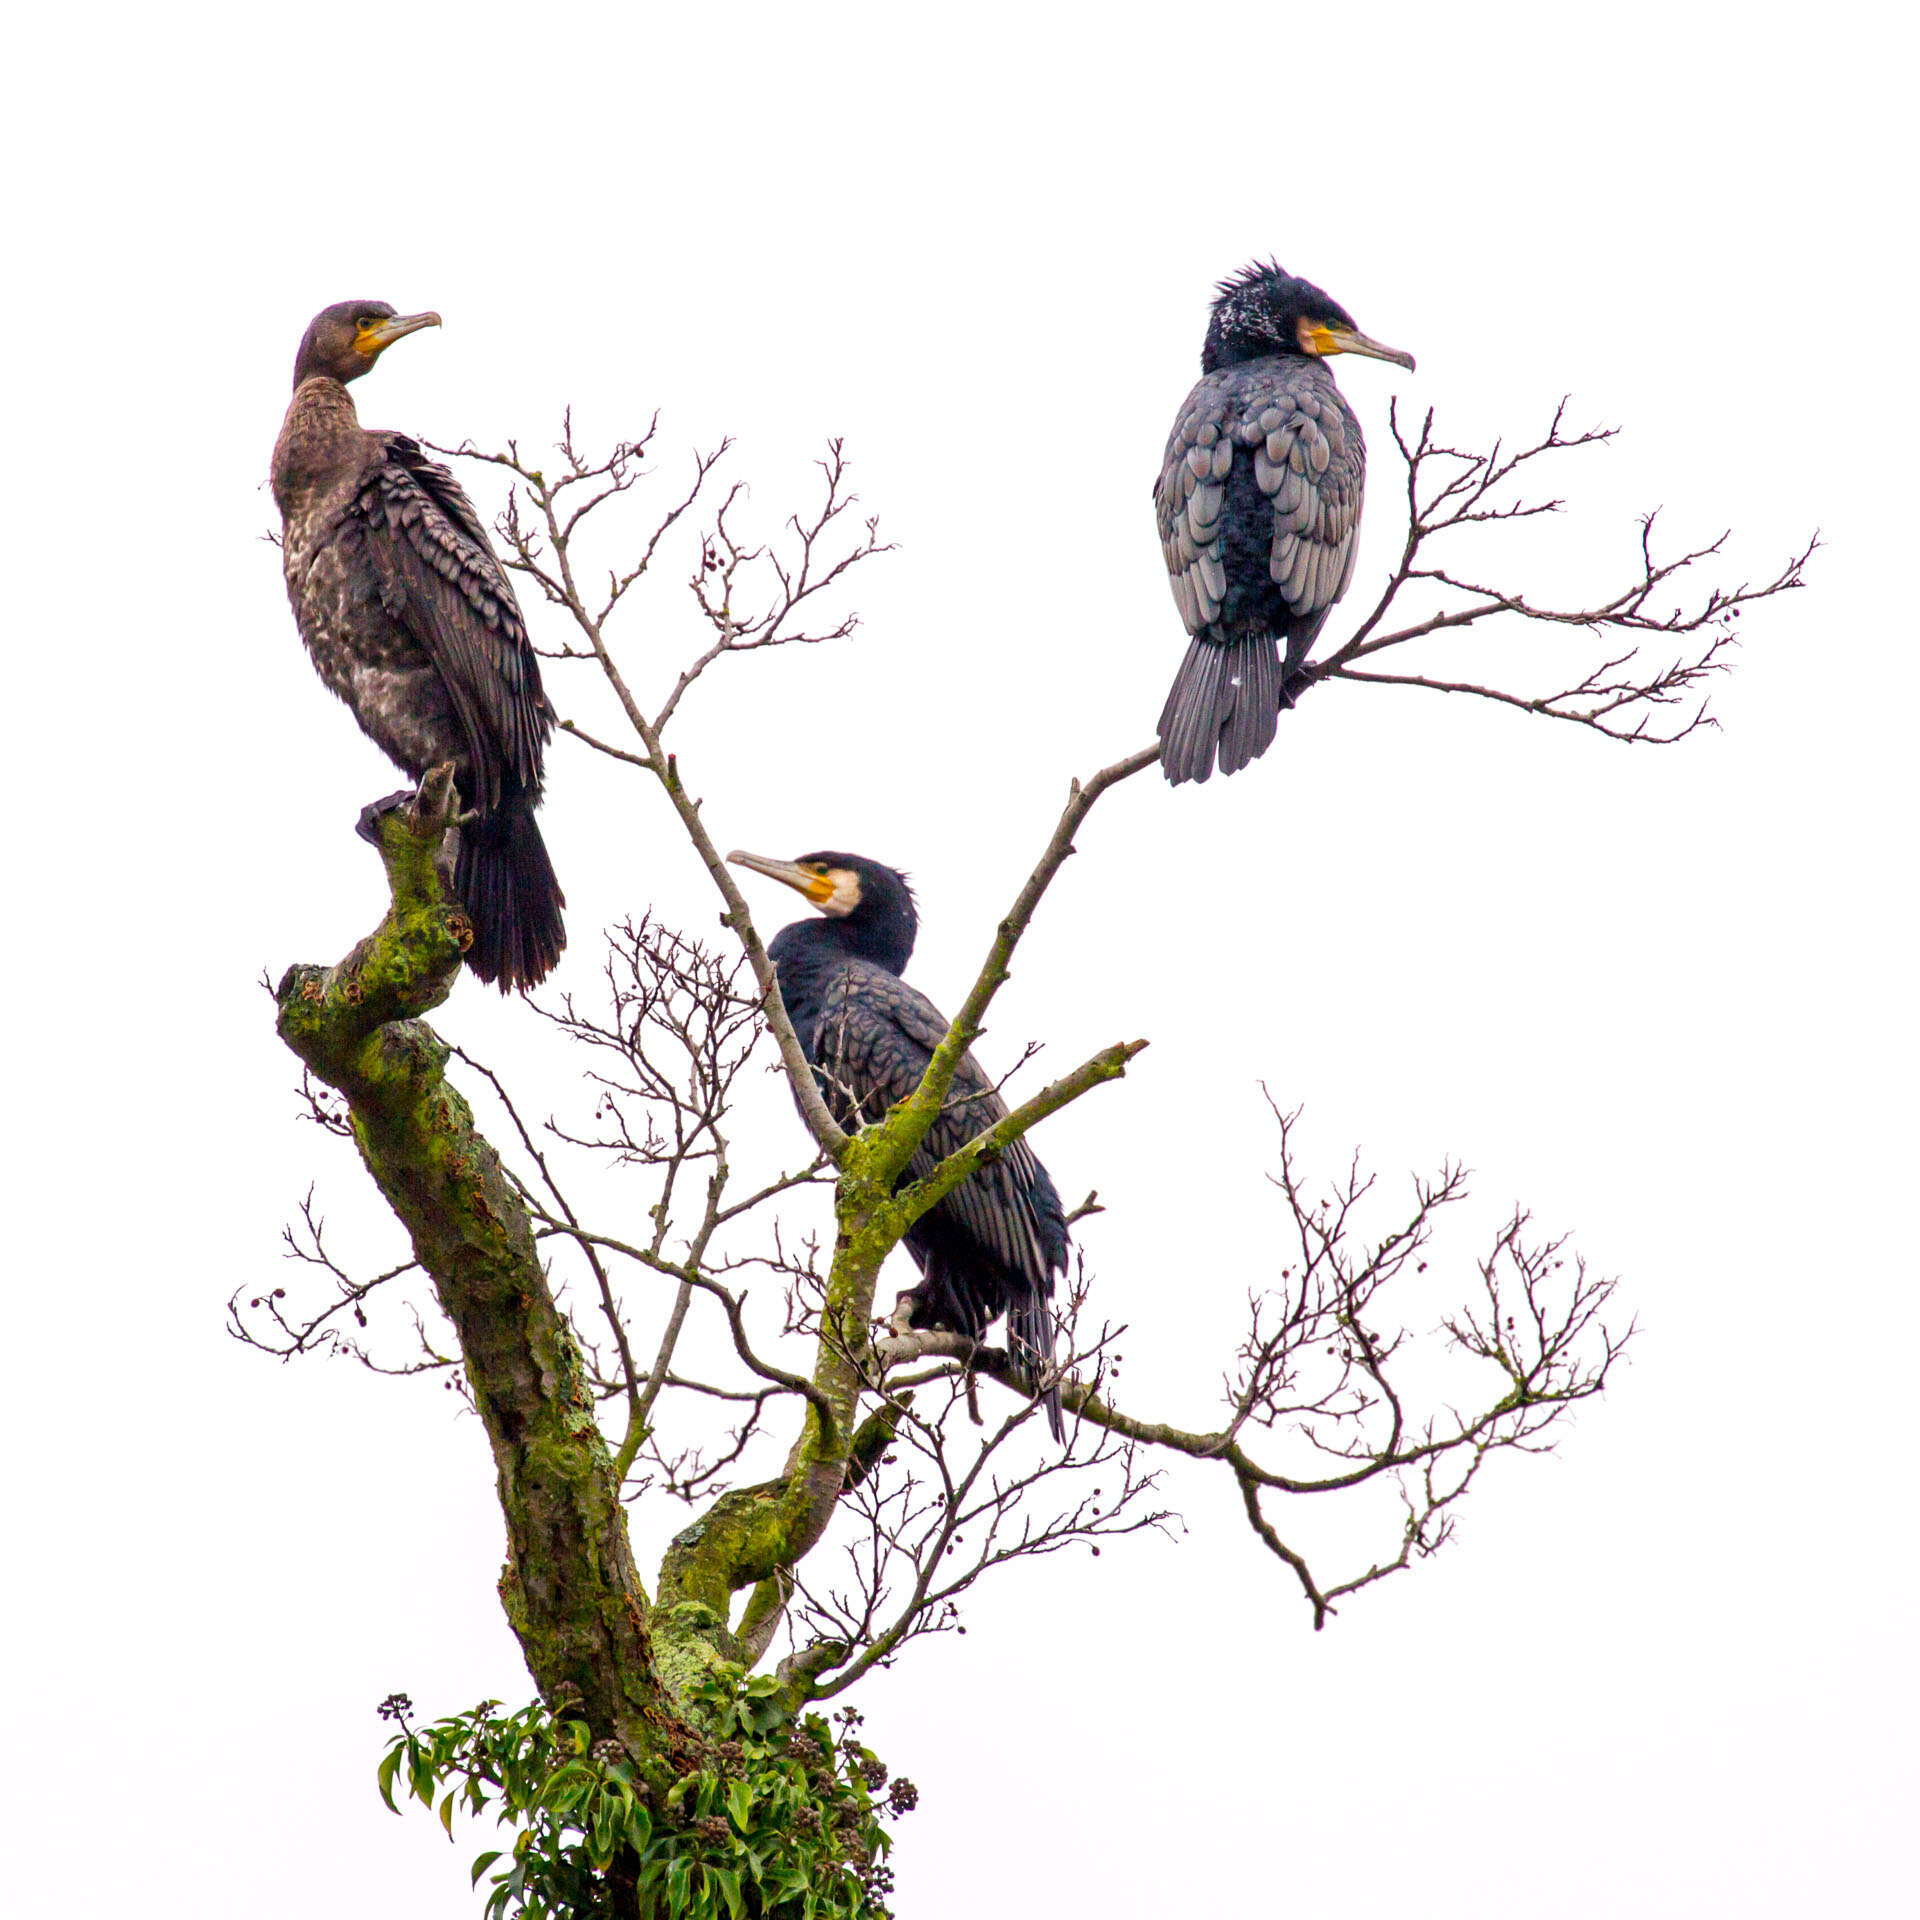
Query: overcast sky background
<point x="1662" y="997"/>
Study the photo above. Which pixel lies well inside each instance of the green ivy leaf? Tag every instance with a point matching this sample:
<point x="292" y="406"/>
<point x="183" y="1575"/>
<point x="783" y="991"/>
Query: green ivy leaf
<point x="605" y="1828"/>
<point x="388" y="1768"/>
<point x="740" y="1804"/>
<point x="571" y="1813"/>
<point x="565" y="1787"/>
<point x="728" y="1881"/>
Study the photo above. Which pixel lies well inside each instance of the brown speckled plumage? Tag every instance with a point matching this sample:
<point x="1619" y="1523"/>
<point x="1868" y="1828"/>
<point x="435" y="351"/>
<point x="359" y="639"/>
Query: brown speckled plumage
<point x="409" y="618"/>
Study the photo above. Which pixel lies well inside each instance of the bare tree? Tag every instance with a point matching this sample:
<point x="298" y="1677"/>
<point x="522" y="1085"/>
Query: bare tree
<point x="850" y="1477"/>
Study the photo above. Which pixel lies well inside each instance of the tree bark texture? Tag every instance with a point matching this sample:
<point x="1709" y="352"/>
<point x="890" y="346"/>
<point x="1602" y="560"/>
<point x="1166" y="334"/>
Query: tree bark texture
<point x="586" y="1626"/>
<point x="570" y="1587"/>
<point x="588" y="1629"/>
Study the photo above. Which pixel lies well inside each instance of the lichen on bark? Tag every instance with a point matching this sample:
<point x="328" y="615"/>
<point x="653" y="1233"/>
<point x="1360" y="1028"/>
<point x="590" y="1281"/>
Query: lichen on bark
<point x="570" y="1587"/>
<point x="631" y="1664"/>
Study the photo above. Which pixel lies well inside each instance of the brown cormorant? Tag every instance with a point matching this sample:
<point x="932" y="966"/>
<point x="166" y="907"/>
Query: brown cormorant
<point x="994" y="1244"/>
<point x="410" y="620"/>
<point x="1258" y="502"/>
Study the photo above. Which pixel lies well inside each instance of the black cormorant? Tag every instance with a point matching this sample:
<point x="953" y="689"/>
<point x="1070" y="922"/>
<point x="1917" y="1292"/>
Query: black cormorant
<point x="994" y="1244"/>
<point x="410" y="620"/>
<point x="1258" y="502"/>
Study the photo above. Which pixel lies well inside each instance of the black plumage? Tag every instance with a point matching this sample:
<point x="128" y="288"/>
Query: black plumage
<point x="409" y="618"/>
<point x="1258" y="504"/>
<point x="995" y="1243"/>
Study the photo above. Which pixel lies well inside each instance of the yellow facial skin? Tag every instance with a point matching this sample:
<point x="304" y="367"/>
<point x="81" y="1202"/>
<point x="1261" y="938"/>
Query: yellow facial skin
<point x="833" y="890"/>
<point x="1324" y="337"/>
<point x="376" y="336"/>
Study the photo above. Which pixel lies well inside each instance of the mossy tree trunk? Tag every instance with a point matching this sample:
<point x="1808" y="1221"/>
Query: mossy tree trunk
<point x="570" y="1587"/>
<point x="586" y="1625"/>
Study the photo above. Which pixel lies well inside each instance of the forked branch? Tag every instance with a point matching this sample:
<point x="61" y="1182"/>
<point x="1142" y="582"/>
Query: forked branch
<point x="1638" y="690"/>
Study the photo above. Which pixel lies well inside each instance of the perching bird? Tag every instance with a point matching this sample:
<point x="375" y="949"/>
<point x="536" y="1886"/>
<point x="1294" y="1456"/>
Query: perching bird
<point x="1258" y="502"/>
<point x="994" y="1244"/>
<point x="410" y="620"/>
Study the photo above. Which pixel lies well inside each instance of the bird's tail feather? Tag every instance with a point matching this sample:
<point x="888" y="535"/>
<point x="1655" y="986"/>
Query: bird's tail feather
<point x="507" y="885"/>
<point x="1031" y="1328"/>
<point x="942" y="1299"/>
<point x="1225" y="700"/>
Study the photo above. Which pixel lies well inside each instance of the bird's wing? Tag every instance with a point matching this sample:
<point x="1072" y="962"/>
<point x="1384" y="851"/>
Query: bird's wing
<point x="441" y="580"/>
<point x="875" y="1039"/>
<point x="1190" y="498"/>
<point x="1309" y="462"/>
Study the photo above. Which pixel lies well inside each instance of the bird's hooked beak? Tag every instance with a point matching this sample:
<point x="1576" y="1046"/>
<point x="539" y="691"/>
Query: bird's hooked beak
<point x="818" y="887"/>
<point x="1323" y="339"/>
<point x="376" y="337"/>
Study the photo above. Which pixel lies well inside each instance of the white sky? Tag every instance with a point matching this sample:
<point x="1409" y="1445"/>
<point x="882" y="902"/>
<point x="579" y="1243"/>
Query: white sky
<point x="1664" y="998"/>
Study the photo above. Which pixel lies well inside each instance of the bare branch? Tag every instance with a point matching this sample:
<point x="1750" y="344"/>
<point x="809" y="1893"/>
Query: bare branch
<point x="1320" y="1367"/>
<point x="1354" y="1373"/>
<point x="801" y="576"/>
<point x="1626" y="693"/>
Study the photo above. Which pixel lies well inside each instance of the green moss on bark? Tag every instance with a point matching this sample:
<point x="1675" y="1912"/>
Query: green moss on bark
<point x="570" y="1588"/>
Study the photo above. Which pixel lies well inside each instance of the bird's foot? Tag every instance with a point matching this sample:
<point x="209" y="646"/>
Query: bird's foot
<point x="903" y="1341"/>
<point x="368" y="825"/>
<point x="921" y="1343"/>
<point x="436" y="801"/>
<point x="433" y="805"/>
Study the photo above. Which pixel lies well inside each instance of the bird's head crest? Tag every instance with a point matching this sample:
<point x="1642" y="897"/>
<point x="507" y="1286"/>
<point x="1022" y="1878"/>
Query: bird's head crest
<point x="1264" y="310"/>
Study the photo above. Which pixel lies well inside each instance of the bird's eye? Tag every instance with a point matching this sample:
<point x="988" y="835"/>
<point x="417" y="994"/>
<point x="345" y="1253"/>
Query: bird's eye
<point x="367" y="322"/>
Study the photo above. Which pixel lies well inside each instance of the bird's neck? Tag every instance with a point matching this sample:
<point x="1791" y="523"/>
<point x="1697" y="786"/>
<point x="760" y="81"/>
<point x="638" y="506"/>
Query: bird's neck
<point x="1223" y="350"/>
<point x="810" y="944"/>
<point x="320" y="441"/>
